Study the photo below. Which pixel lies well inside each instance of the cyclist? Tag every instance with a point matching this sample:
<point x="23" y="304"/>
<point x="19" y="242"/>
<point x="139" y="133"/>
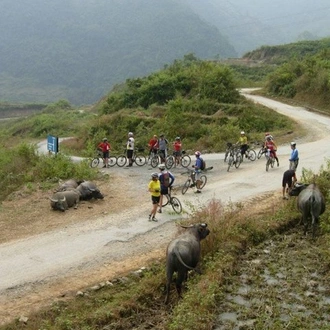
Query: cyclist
<point x="154" y="189"/>
<point x="243" y="142"/>
<point x="177" y="146"/>
<point x="166" y="179"/>
<point x="294" y="159"/>
<point x="162" y="145"/>
<point x="271" y="146"/>
<point x="198" y="166"/>
<point x="105" y="147"/>
<point x="130" y="148"/>
<point x="153" y="146"/>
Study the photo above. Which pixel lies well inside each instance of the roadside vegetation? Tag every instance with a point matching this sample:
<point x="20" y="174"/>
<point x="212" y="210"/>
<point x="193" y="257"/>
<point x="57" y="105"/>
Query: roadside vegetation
<point x="302" y="72"/>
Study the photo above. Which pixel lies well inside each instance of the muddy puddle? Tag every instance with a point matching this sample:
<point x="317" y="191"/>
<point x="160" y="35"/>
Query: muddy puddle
<point x="280" y="284"/>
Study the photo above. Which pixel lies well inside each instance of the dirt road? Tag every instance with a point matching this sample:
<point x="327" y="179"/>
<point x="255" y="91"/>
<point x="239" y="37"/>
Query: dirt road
<point x="76" y="255"/>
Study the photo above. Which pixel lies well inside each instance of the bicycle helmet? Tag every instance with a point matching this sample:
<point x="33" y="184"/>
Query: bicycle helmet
<point x="154" y="175"/>
<point x="130" y="134"/>
<point x="105" y="139"/>
<point x="177" y="138"/>
<point x="293" y="144"/>
<point x="242" y="133"/>
<point x="161" y="166"/>
<point x="197" y="153"/>
<point x="267" y="134"/>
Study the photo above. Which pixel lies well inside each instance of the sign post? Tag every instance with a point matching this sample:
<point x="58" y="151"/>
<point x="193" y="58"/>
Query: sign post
<point x="52" y="144"/>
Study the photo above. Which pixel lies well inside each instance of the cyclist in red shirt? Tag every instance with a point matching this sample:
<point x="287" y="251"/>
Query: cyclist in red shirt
<point x="105" y="147"/>
<point x="270" y="144"/>
<point x="177" y="146"/>
<point x="153" y="146"/>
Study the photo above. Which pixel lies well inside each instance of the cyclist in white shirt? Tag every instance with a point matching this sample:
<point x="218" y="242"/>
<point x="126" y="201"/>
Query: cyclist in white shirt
<point x="130" y="148"/>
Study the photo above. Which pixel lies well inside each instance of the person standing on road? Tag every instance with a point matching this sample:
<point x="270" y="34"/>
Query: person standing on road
<point x="154" y="189"/>
<point x="198" y="171"/>
<point x="166" y="179"/>
<point x="289" y="179"/>
<point x="294" y="159"/>
<point x="153" y="146"/>
<point x="177" y="147"/>
<point x="130" y="149"/>
<point x="162" y="145"/>
<point x="105" y="147"/>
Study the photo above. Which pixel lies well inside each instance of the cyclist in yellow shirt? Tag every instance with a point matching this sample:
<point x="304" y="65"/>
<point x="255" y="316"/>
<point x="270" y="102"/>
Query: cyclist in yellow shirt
<point x="154" y="189"/>
<point x="243" y="142"/>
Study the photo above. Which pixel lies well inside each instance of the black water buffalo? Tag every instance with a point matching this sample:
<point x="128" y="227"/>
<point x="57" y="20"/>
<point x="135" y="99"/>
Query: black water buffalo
<point x="71" y="183"/>
<point x="88" y="190"/>
<point x="183" y="254"/>
<point x="62" y="200"/>
<point x="310" y="203"/>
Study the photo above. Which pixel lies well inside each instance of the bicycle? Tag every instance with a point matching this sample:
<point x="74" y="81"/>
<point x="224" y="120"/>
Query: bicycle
<point x="155" y="159"/>
<point x="185" y="160"/>
<point x="191" y="181"/>
<point x="99" y="155"/>
<point x="261" y="151"/>
<point x="270" y="159"/>
<point x="251" y="154"/>
<point x="229" y="146"/>
<point x="173" y="201"/>
<point x="235" y="157"/>
<point x="138" y="159"/>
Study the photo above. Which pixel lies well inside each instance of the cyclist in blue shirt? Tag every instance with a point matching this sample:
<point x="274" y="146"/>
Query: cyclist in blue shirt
<point x="198" y="170"/>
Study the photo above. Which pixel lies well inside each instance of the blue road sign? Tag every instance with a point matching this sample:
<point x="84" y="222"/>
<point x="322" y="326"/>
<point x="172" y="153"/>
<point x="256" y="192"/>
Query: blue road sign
<point x="52" y="143"/>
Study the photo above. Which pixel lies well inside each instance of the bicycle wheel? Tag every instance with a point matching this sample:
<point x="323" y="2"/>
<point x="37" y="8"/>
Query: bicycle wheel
<point x="165" y="200"/>
<point x="95" y="162"/>
<point x="154" y="161"/>
<point x="252" y="155"/>
<point x="203" y="179"/>
<point x="261" y="151"/>
<point x="267" y="164"/>
<point x="185" y="161"/>
<point x="140" y="160"/>
<point x="169" y="162"/>
<point x="230" y="162"/>
<point x="272" y="162"/>
<point x="121" y="161"/>
<point x="226" y="156"/>
<point x="112" y="161"/>
<point x="176" y="205"/>
<point x="186" y="186"/>
<point x="238" y="161"/>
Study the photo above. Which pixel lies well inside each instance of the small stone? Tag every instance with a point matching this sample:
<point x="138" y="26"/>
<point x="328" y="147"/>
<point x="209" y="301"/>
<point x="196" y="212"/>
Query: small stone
<point x="23" y="319"/>
<point x="79" y="294"/>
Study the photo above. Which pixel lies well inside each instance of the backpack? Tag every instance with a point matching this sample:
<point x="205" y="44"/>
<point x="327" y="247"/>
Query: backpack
<point x="166" y="179"/>
<point x="203" y="164"/>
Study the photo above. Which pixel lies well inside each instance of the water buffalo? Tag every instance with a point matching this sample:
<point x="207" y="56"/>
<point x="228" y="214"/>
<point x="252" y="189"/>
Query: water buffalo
<point x="88" y="190"/>
<point x="310" y="203"/>
<point x="62" y="200"/>
<point x="71" y="183"/>
<point x="183" y="254"/>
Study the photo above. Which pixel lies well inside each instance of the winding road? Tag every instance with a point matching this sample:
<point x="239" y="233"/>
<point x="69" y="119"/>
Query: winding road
<point x="69" y="252"/>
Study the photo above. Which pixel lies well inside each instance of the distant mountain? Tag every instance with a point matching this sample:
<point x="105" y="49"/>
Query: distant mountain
<point x="78" y="49"/>
<point x="251" y="24"/>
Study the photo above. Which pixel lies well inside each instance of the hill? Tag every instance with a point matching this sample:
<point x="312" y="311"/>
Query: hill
<point x="77" y="50"/>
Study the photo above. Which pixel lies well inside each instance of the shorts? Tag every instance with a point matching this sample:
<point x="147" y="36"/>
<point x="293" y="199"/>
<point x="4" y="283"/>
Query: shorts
<point x="129" y="153"/>
<point x="198" y="175"/>
<point x="155" y="199"/>
<point x="164" y="191"/>
<point x="177" y="153"/>
<point x="106" y="154"/>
